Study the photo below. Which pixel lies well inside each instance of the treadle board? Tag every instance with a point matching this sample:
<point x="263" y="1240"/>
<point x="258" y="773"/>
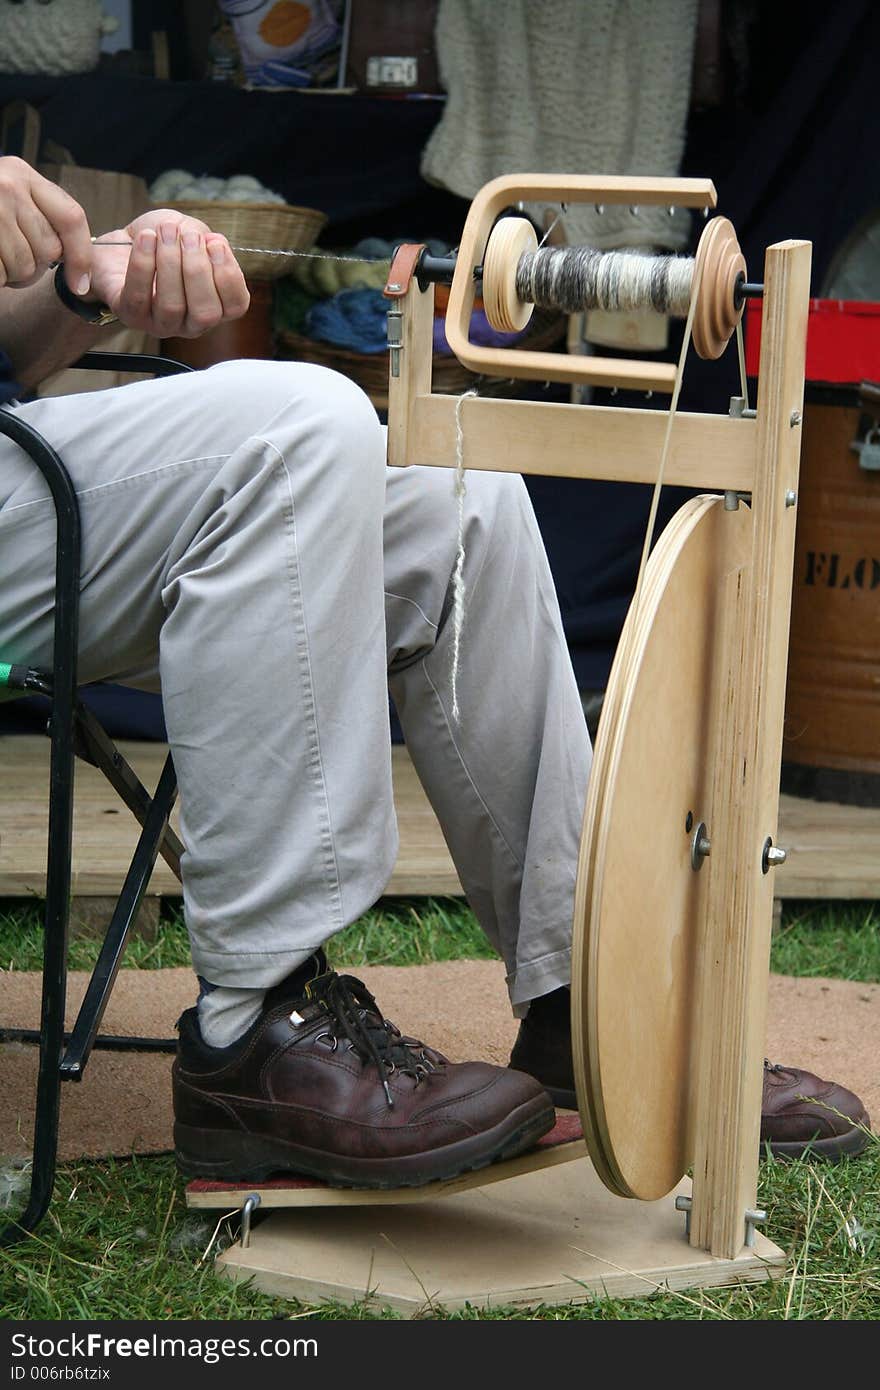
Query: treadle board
<point x="833" y="848"/>
<point x="552" y="1237"/>
<point x="562" y="1144"/>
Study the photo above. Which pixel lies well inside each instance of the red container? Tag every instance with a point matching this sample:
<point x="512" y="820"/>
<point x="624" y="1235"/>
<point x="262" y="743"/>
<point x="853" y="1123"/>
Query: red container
<point x="831" y="736"/>
<point x="843" y="340"/>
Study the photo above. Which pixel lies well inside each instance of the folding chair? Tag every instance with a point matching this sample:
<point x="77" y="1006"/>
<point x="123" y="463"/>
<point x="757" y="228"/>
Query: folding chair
<point x="75" y="732"/>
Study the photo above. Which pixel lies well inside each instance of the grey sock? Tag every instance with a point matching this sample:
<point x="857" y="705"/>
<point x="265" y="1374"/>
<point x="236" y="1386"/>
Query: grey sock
<point x="224" y="1014"/>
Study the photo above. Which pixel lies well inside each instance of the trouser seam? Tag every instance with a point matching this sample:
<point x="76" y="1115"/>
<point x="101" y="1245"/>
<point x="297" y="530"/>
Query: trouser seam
<point x="123" y="484"/>
<point x="314" y="756"/>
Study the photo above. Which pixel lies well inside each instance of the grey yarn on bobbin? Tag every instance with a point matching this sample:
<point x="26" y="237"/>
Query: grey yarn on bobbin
<point x="574" y="278"/>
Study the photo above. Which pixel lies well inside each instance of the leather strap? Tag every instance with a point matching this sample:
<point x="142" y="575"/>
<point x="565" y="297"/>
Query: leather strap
<point x="403" y="267"/>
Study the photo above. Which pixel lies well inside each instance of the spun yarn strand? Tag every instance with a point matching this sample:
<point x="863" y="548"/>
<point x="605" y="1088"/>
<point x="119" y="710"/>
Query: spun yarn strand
<point x="458" y="584"/>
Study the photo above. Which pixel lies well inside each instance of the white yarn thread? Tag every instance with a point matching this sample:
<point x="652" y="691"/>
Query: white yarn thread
<point x="458" y="585"/>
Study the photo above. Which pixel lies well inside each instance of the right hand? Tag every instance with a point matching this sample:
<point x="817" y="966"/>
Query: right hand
<point x="39" y="224"/>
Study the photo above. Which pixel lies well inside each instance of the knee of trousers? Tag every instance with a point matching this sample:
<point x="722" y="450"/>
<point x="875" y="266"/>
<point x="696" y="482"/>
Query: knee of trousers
<point x="297" y="406"/>
<point x="493" y="502"/>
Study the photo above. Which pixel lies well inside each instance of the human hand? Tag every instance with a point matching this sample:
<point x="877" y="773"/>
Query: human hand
<point x="40" y="223"/>
<point x="178" y="279"/>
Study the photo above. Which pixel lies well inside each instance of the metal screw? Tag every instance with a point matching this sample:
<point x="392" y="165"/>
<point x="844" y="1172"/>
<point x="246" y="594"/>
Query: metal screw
<point x="731" y="501"/>
<point x="634" y="211"/>
<point x="600" y="208"/>
<point x="753" y="1218"/>
<point x="794" y="418"/>
<point x="790" y="498"/>
<point x="394" y="286"/>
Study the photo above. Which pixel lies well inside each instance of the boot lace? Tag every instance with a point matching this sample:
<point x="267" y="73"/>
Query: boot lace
<point x="356" y="1014"/>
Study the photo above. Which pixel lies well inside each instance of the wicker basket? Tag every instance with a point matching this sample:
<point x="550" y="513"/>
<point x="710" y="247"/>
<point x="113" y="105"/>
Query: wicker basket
<point x="448" y="376"/>
<point x="273" y="226"/>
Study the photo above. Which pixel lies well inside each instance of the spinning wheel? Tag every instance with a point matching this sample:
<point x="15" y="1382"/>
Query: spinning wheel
<point x="674" y="896"/>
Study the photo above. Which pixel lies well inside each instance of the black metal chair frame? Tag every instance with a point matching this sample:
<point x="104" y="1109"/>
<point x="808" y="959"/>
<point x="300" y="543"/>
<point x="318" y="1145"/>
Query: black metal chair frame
<point x="75" y="732"/>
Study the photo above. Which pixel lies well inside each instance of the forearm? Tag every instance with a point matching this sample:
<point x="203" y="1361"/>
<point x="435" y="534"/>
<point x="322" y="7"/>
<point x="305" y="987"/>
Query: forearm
<point x="38" y="334"/>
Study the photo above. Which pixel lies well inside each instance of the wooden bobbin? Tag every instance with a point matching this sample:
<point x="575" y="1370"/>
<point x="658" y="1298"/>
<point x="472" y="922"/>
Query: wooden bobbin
<point x="715" y="317"/>
<point x="510" y="237"/>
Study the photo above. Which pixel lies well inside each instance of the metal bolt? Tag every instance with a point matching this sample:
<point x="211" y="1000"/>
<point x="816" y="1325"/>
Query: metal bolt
<point x="395" y="338"/>
<point x="685" y="1204"/>
<point x="731" y="501"/>
<point x="251" y="1202"/>
<point x="794" y="418"/>
<point x="600" y="208"/>
<point x="393" y="286"/>
<point x="701" y="846"/>
<point x="772" y="855"/>
<point x="753" y="1218"/>
<point x="790" y="498"/>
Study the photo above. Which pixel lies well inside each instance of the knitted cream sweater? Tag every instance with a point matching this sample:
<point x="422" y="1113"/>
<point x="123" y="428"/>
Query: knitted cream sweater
<point x="566" y="86"/>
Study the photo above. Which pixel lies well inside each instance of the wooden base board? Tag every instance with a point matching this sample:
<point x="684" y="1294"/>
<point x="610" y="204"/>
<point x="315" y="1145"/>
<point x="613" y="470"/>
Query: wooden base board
<point x="551" y="1237"/>
<point x="833" y="849"/>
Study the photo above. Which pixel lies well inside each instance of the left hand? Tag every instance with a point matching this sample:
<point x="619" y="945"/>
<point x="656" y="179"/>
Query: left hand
<point x="178" y="280"/>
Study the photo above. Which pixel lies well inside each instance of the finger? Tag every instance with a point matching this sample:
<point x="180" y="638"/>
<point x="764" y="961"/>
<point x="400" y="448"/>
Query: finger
<point x="44" y="241"/>
<point x="229" y="280"/>
<point x="18" y="264"/>
<point x="169" y="299"/>
<point x="203" y="307"/>
<point x="135" y="303"/>
<point x="70" y="224"/>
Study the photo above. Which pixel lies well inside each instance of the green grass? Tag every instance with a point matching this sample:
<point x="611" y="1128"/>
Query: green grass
<point x="119" y="1243"/>
<point x="838" y="939"/>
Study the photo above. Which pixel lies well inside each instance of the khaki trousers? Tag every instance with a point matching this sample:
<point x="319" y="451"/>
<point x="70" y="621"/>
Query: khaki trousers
<point x="248" y="553"/>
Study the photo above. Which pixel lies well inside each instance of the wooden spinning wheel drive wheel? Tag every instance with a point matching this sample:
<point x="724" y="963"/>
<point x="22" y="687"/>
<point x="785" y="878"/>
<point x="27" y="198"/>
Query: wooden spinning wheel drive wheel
<point x="642" y="883"/>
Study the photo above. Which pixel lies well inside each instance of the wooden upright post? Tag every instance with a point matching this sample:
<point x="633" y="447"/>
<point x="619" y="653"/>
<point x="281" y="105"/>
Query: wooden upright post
<point x="734" y="955"/>
<point x="411" y="376"/>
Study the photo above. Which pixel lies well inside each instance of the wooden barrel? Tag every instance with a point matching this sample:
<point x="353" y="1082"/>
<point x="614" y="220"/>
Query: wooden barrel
<point x="831" y="742"/>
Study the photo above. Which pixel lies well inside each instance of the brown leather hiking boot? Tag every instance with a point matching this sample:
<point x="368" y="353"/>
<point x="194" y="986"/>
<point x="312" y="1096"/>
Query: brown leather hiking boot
<point x="802" y="1116"/>
<point x="323" y="1085"/>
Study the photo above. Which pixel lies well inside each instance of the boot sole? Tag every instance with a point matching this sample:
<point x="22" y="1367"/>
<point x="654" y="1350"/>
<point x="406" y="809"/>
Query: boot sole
<point x="225" y="1155"/>
<point x="835" y="1146"/>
